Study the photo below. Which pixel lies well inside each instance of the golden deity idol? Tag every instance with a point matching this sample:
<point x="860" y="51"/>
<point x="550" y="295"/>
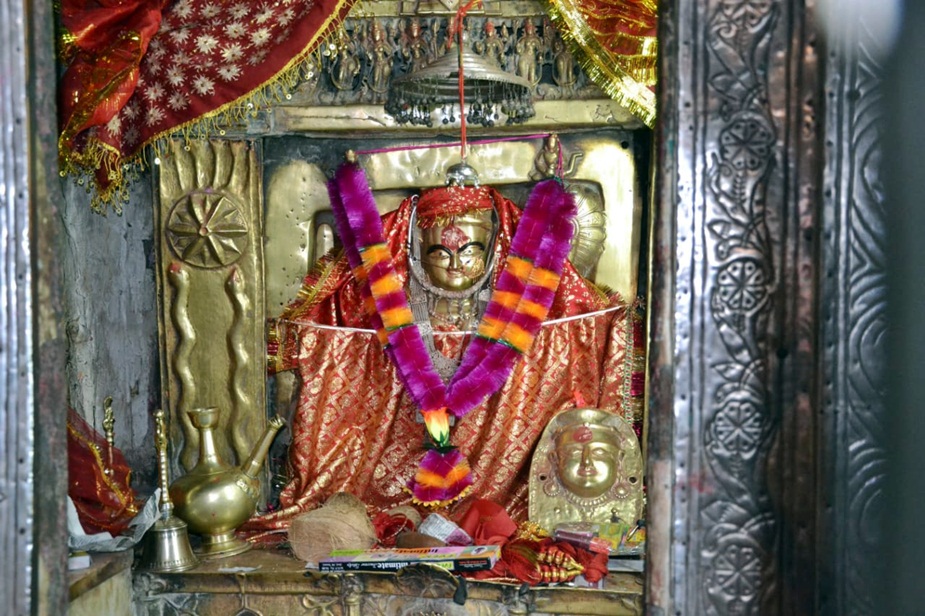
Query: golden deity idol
<point x="587" y="468"/>
<point x="453" y="253"/>
<point x="450" y="257"/>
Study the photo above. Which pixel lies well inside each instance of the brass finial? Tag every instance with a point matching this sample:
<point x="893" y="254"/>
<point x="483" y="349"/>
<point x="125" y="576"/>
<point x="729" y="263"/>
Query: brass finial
<point x="160" y="443"/>
<point x="109" y="424"/>
<point x="109" y="421"/>
<point x="462" y="174"/>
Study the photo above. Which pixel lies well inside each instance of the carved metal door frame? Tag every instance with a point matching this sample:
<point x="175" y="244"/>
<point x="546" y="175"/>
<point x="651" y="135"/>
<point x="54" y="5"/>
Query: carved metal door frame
<point x="734" y="316"/>
<point x="745" y="358"/>
<point x="33" y="395"/>
<point x="767" y="307"/>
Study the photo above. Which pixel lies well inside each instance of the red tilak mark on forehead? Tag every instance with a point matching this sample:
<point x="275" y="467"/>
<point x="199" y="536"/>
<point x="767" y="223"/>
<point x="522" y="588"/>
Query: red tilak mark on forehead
<point x="453" y="238"/>
<point x="583" y="434"/>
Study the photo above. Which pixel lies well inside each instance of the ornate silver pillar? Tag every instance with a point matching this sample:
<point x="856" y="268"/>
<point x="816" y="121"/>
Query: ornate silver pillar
<point x="734" y="376"/>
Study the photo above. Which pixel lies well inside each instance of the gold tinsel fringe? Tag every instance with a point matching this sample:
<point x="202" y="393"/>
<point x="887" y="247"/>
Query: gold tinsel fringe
<point x="624" y="79"/>
<point x="122" y="171"/>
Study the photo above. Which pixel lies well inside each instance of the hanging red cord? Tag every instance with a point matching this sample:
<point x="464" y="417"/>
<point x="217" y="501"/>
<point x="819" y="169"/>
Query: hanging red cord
<point x="460" y="15"/>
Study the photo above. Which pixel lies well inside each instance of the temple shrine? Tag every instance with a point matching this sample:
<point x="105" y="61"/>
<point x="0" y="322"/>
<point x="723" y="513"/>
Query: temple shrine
<point x="343" y="307"/>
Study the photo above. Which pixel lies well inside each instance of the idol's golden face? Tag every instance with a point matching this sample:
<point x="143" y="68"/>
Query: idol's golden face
<point x="454" y="254"/>
<point x="587" y="460"/>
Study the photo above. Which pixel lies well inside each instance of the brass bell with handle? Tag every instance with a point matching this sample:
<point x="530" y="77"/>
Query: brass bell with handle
<point x="166" y="546"/>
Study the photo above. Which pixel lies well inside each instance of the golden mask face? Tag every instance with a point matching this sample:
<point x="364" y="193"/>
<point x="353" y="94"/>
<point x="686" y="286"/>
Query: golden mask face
<point x="587" y="460"/>
<point x="454" y="253"/>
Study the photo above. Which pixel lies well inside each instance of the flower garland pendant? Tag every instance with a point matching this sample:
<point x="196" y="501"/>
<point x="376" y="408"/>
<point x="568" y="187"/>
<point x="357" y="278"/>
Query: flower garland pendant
<point x="519" y="305"/>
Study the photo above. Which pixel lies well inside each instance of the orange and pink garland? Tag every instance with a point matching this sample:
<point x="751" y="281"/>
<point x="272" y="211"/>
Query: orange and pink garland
<point x="519" y="305"/>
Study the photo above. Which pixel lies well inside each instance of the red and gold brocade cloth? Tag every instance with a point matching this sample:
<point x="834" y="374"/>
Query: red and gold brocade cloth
<point x="354" y="428"/>
<point x="617" y="45"/>
<point x="140" y="69"/>
<point x="99" y="479"/>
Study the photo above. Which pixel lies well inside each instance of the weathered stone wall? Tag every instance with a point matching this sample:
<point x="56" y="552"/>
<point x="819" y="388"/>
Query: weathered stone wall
<point x="111" y="301"/>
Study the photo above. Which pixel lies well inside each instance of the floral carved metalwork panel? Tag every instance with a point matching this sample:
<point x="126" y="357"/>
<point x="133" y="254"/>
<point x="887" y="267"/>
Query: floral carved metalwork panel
<point x="739" y="163"/>
<point x="740" y="292"/>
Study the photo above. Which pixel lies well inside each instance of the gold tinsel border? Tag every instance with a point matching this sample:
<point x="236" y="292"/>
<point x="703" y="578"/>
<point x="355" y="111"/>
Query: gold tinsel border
<point x="630" y="87"/>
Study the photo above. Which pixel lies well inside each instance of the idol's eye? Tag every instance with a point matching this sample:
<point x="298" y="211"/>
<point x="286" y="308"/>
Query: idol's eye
<point x="472" y="249"/>
<point x="439" y="253"/>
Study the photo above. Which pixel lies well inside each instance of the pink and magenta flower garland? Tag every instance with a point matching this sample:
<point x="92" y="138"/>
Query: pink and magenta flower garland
<point x="518" y="306"/>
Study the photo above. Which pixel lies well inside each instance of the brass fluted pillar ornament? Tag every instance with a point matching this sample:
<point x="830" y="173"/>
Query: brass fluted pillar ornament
<point x="214" y="498"/>
<point x="167" y="547"/>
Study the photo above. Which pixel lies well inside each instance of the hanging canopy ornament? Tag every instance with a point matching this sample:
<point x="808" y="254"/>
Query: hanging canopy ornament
<point x="493" y="95"/>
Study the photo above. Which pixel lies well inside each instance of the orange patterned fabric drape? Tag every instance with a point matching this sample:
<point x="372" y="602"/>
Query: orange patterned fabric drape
<point x="354" y="428"/>
<point x="617" y="45"/>
<point x="140" y="69"/>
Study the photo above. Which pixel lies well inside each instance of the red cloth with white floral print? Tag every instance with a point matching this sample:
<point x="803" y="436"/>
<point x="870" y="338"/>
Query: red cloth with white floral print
<point x="140" y="69"/>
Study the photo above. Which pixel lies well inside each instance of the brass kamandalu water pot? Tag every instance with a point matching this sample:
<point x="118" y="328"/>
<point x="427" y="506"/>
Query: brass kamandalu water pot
<point x="214" y="499"/>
